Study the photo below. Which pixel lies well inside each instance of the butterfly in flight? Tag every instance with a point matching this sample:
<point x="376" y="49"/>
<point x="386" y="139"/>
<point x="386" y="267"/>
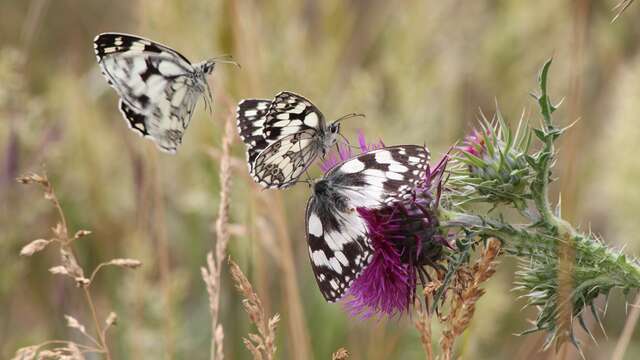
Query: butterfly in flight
<point x="337" y="236"/>
<point x="158" y="87"/>
<point x="283" y="137"/>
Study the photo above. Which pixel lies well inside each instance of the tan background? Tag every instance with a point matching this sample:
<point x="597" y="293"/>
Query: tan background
<point x="419" y="69"/>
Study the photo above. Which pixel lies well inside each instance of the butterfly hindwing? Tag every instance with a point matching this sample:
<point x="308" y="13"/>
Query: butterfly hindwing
<point x="339" y="244"/>
<point x="137" y="121"/>
<point x="155" y="83"/>
<point x="251" y="115"/>
<point x="282" y="162"/>
<point x="339" y="247"/>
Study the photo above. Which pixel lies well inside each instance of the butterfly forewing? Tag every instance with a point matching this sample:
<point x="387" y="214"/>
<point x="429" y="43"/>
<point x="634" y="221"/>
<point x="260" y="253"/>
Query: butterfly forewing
<point x="339" y="244"/>
<point x="251" y="115"/>
<point x="158" y="86"/>
<point x="381" y="176"/>
<point x="110" y="43"/>
<point x="290" y="113"/>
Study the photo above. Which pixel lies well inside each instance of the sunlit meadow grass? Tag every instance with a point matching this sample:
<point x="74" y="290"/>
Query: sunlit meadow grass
<point x="419" y="71"/>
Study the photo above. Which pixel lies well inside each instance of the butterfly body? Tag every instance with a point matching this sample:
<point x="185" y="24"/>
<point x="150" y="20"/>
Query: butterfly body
<point x="158" y="87"/>
<point x="283" y="137"/>
<point x="338" y="238"/>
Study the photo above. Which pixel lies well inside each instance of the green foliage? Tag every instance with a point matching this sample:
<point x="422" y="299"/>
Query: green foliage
<point x="549" y="248"/>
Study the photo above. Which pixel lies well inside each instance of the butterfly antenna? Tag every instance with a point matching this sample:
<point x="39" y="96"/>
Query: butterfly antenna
<point x="224" y="59"/>
<point x="348" y="116"/>
<point x="306" y="181"/>
<point x="208" y="100"/>
<point x="346" y="141"/>
<point x="308" y="177"/>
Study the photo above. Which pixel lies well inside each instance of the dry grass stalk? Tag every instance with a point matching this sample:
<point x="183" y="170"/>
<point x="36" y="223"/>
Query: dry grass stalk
<point x="299" y="338"/>
<point x="261" y="345"/>
<point x="423" y="319"/>
<point x="468" y="292"/>
<point x="620" y="8"/>
<point x="340" y="354"/>
<point x="70" y="267"/>
<point x="564" y="317"/>
<point x="627" y="332"/>
<point x="211" y="273"/>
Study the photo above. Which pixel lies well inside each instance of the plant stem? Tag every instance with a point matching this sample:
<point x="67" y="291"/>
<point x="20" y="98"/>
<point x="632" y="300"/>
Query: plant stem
<point x="94" y="314"/>
<point x="627" y="332"/>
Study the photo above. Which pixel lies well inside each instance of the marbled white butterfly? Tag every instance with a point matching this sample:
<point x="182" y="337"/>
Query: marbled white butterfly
<point x="339" y="244"/>
<point x="158" y="86"/>
<point x="283" y="137"/>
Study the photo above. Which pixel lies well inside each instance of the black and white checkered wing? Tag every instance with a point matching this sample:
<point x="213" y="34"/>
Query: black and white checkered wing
<point x="251" y="115"/>
<point x="282" y="162"/>
<point x="338" y="239"/>
<point x="290" y="113"/>
<point x="382" y="176"/>
<point x="157" y="89"/>
<point x="280" y="133"/>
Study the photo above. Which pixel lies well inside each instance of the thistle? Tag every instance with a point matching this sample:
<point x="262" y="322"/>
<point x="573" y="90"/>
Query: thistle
<point x="406" y="239"/>
<point x="492" y="165"/>
<point x="562" y="270"/>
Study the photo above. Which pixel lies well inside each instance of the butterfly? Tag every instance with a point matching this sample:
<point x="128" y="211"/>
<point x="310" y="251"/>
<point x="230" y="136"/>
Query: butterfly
<point x="337" y="236"/>
<point x="283" y="137"/>
<point x="158" y="87"/>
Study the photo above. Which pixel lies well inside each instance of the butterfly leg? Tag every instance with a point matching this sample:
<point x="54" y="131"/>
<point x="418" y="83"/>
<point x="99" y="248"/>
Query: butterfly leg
<point x="308" y="176"/>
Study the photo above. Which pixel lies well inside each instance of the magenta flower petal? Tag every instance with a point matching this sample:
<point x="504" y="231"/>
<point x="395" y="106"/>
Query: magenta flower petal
<point x="474" y="144"/>
<point x="364" y="147"/>
<point x="344" y="152"/>
<point x="386" y="285"/>
<point x="405" y="238"/>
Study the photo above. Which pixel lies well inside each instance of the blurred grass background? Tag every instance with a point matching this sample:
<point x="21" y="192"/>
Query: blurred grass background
<point x="419" y="69"/>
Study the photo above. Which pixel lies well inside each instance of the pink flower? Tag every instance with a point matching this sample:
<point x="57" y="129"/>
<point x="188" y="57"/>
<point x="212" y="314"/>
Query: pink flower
<point x="474" y="144"/>
<point x="344" y="152"/>
<point x="406" y="239"/>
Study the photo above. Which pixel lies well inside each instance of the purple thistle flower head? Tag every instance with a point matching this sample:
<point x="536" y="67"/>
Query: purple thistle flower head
<point x="364" y="147"/>
<point x="335" y="157"/>
<point x="496" y="160"/>
<point x="406" y="239"/>
<point x="474" y="144"/>
<point x="344" y="152"/>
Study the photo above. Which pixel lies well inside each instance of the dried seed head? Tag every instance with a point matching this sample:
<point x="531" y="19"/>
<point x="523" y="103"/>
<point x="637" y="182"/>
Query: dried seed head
<point x="60" y="231"/>
<point x="33" y="179"/>
<point x="81" y="233"/>
<point x="82" y="281"/>
<point x="127" y="263"/>
<point x="59" y="270"/>
<point x="75" y="324"/>
<point x="26" y="353"/>
<point x="340" y="354"/>
<point x="74" y="352"/>
<point x="111" y="319"/>
<point x="70" y="263"/>
<point x="34" y="247"/>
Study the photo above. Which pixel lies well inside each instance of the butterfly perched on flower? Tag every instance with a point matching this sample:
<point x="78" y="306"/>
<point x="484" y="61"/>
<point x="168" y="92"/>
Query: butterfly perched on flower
<point x="339" y="243"/>
<point x="158" y="87"/>
<point x="283" y="137"/>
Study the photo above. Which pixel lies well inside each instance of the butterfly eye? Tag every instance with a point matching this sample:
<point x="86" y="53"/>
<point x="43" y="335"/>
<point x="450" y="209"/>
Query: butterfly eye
<point x="334" y="128"/>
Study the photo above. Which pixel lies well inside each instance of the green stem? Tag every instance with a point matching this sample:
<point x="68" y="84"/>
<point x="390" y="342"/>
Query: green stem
<point x="593" y="259"/>
<point x="545" y="158"/>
